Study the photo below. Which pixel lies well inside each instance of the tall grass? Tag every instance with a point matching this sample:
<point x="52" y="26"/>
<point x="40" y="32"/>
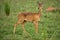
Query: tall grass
<point x="49" y="25"/>
<point x="7" y="9"/>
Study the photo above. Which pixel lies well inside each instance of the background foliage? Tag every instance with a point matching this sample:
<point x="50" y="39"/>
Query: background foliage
<point x="49" y="26"/>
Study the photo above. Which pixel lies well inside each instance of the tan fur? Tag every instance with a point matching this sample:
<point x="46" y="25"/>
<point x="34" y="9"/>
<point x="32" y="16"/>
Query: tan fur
<point x="51" y="8"/>
<point x="29" y="16"/>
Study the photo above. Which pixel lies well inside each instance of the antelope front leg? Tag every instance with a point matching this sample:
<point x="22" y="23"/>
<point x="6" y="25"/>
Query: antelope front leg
<point x="36" y="26"/>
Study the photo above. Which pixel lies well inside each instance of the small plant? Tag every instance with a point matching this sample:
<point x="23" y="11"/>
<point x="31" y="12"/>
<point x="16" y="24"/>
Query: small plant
<point x="7" y="9"/>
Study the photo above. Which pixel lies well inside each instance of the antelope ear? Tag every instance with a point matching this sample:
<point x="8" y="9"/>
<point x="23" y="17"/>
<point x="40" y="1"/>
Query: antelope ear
<point x="39" y="3"/>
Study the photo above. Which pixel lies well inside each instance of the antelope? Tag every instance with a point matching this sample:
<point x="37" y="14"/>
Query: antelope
<point x="29" y="16"/>
<point x="51" y="8"/>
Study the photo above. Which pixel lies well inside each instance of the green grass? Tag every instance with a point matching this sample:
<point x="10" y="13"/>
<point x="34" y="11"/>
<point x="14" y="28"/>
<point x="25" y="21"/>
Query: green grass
<point x="49" y="26"/>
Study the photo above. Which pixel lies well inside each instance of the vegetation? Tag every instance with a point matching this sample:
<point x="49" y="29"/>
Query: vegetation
<point x="7" y="9"/>
<point x="49" y="26"/>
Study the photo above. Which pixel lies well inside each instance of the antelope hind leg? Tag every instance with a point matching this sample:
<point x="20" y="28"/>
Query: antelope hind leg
<point x="15" y="25"/>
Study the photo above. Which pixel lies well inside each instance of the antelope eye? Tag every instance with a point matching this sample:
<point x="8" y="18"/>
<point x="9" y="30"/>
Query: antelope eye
<point x="38" y="8"/>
